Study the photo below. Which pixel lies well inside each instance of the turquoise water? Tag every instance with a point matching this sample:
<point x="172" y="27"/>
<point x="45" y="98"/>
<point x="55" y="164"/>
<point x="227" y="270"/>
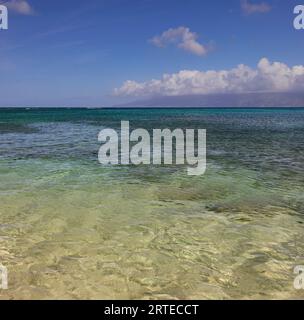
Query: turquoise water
<point x="71" y="228"/>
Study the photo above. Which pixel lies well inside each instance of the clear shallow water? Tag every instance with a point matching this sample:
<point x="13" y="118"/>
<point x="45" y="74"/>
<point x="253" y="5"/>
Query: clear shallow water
<point x="71" y="228"/>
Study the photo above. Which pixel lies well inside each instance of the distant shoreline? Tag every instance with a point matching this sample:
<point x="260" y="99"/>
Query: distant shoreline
<point x="155" y="108"/>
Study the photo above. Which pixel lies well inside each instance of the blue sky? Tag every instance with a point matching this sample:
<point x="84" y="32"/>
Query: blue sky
<point x="75" y="53"/>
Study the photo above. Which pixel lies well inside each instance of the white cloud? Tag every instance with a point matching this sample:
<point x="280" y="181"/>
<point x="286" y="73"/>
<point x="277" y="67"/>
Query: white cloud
<point x="250" y="8"/>
<point x="20" y="6"/>
<point x="183" y="38"/>
<point x="267" y="77"/>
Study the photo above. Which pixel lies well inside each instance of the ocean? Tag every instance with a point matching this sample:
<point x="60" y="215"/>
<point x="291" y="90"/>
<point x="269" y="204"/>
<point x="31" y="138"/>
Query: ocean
<point x="72" y="228"/>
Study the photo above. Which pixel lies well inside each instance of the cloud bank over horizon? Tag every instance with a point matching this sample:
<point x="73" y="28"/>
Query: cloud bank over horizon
<point x="267" y="77"/>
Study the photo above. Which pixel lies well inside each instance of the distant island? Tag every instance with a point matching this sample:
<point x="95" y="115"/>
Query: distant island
<point x="266" y="99"/>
